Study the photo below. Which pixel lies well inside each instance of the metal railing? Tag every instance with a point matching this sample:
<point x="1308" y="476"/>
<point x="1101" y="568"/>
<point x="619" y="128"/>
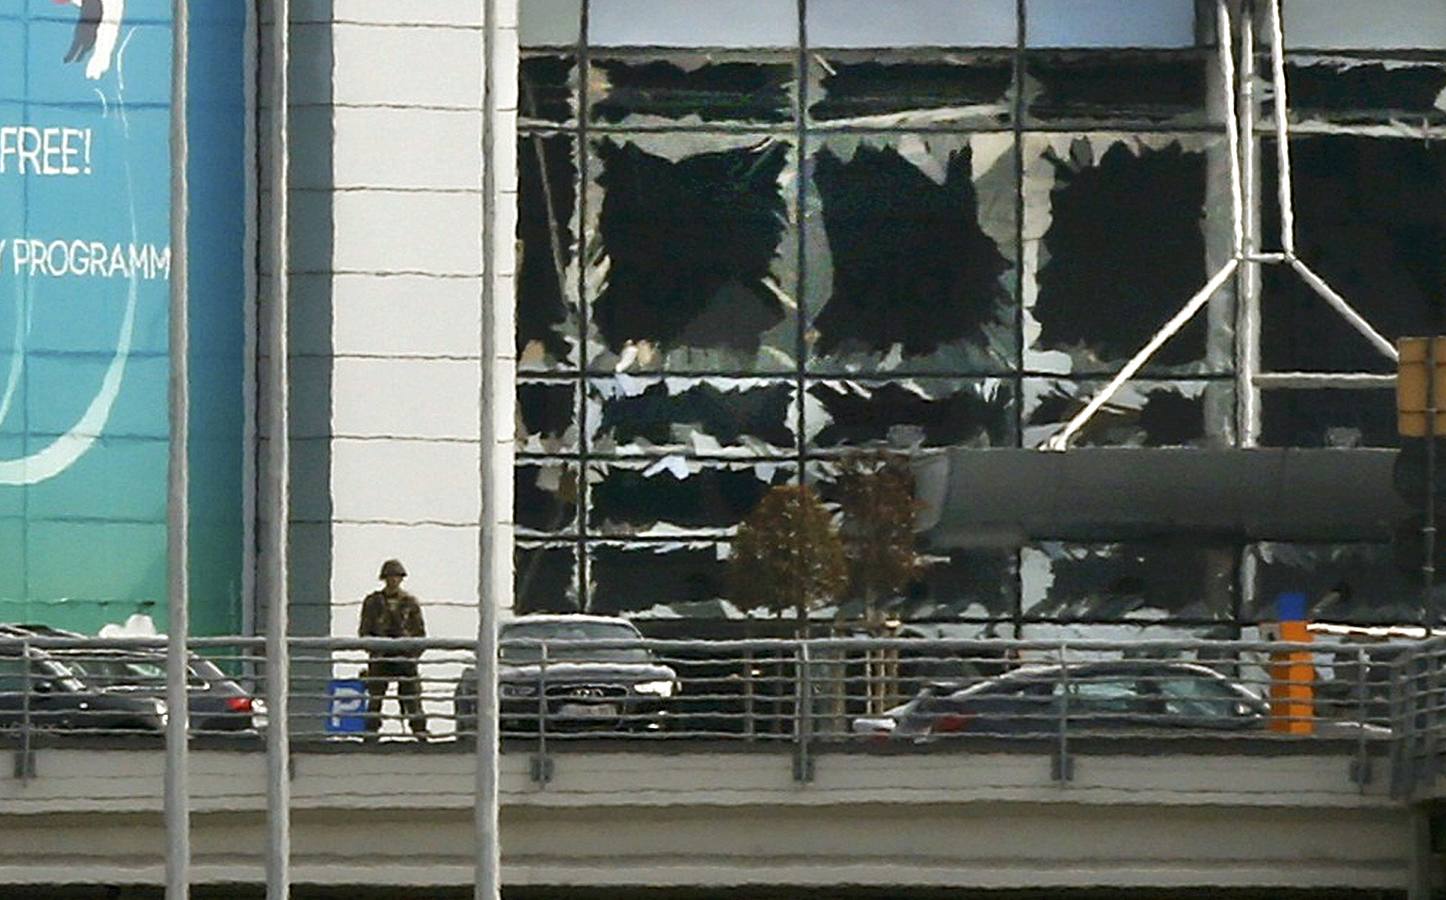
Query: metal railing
<point x="1364" y="701"/>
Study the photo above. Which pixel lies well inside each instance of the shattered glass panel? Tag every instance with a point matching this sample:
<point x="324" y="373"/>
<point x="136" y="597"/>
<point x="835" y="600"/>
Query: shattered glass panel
<point x="1115" y="246"/>
<point x="919" y="23"/>
<point x="1137" y="582"/>
<point x="969" y="584"/>
<point x="715" y="23"/>
<point x="545" y="500"/>
<point x="546" y="89"/>
<point x="547" y="308"/>
<point x="549" y="23"/>
<point x="1351" y="90"/>
<point x="545" y="578"/>
<point x="546" y="417"/>
<point x="1114" y="88"/>
<point x="639" y="416"/>
<point x="909" y="413"/>
<point x="1342" y="582"/>
<point x="670" y="579"/>
<point x="1322" y="418"/>
<point x="1142" y="414"/>
<point x="691" y="266"/>
<point x="643" y="90"/>
<point x="912" y="267"/>
<point x="893" y="90"/>
<point x="1110" y="23"/>
<point x="1380" y="24"/>
<point x="674" y="495"/>
<point x="1371" y="222"/>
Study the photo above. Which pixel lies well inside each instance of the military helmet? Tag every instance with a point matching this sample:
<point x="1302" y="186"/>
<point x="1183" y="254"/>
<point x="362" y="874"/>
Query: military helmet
<point x="393" y="567"/>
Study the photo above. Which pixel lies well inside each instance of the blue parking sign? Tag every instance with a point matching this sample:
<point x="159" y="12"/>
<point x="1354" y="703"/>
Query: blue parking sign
<point x="346" y="706"/>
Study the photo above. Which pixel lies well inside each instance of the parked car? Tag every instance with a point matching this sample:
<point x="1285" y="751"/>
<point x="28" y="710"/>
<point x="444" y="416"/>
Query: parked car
<point x="1102" y="696"/>
<point x="217" y="702"/>
<point x="619" y="688"/>
<point x="49" y="694"/>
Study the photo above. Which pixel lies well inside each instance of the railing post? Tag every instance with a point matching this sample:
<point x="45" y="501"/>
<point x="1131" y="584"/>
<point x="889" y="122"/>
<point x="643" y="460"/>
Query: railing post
<point x="1062" y="769"/>
<point x="1430" y="707"/>
<point x="541" y="767"/>
<point x="1361" y="769"/>
<point x="750" y="723"/>
<point x="25" y="760"/>
<point x="803" y="716"/>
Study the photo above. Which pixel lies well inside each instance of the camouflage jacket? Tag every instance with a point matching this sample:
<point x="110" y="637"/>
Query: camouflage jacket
<point x="378" y="619"/>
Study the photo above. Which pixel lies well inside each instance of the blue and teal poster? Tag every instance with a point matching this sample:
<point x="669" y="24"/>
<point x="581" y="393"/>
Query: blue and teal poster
<point x="85" y="268"/>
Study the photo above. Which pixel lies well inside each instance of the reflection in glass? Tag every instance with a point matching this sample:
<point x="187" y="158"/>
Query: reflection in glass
<point x="919" y="23"/>
<point x="715" y="23"/>
<point x="1110" y="23"/>
<point x="700" y="416"/>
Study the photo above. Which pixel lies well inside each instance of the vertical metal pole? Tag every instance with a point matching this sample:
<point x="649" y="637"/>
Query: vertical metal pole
<point x="1422" y="886"/>
<point x="177" y="789"/>
<point x="494" y="578"/>
<point x="1282" y="131"/>
<point x="542" y="765"/>
<point x="1063" y="770"/>
<point x="278" y="483"/>
<point x="750" y="725"/>
<point x="25" y="766"/>
<point x="1362" y="774"/>
<point x="1428" y="530"/>
<point x="803" y="714"/>
<point x="1247" y="285"/>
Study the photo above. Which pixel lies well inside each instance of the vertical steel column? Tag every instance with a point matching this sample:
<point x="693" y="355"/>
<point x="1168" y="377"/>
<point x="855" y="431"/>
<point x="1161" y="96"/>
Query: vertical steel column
<point x="25" y="762"/>
<point x="276" y="490"/>
<point x="1247" y="285"/>
<point x="177" y="791"/>
<point x="494" y="557"/>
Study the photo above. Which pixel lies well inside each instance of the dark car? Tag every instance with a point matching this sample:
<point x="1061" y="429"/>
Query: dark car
<point x="217" y="702"/>
<point x="578" y="688"/>
<point x="49" y="694"/>
<point x="1101" y="696"/>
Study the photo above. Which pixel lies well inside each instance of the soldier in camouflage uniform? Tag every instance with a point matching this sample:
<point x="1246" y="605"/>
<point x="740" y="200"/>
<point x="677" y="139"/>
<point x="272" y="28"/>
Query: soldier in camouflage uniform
<point x="392" y="612"/>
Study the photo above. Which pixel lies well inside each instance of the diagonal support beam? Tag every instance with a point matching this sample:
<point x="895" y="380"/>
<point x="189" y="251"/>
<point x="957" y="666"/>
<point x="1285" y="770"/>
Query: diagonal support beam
<point x="1061" y="440"/>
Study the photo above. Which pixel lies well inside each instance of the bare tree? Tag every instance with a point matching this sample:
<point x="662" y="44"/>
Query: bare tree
<point x="787" y="554"/>
<point x="876" y="497"/>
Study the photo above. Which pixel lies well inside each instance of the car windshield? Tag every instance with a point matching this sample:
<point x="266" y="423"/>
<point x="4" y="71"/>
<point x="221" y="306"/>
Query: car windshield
<point x="571" y="631"/>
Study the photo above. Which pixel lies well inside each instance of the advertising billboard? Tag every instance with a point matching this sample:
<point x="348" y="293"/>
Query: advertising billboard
<point x="85" y="267"/>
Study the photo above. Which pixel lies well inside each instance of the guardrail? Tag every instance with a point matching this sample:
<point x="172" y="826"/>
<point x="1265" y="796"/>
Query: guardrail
<point x="866" y="695"/>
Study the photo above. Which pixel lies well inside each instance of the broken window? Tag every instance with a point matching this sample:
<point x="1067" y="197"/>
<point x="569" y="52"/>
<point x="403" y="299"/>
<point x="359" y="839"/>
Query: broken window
<point x="898" y="91"/>
<point x="546" y="89"/>
<point x="689" y="261"/>
<point x="677" y="496"/>
<point x="912" y="413"/>
<point x="1161" y="579"/>
<point x="1328" y="418"/>
<point x="696" y="416"/>
<point x="1370" y="221"/>
<point x="1349" y="90"/>
<point x="545" y="578"/>
<point x="927" y="23"/>
<point x="671" y="579"/>
<point x="546" y="417"/>
<point x="637" y="91"/>
<point x="1128" y="86"/>
<point x="716" y="23"/>
<point x="545" y="497"/>
<point x="1110" y="23"/>
<point x="917" y="269"/>
<point x="1123" y="249"/>
<point x="1342" y="583"/>
<point x="1380" y="24"/>
<point x="974" y="584"/>
<point x="546" y="279"/>
<point x="1141" y="414"/>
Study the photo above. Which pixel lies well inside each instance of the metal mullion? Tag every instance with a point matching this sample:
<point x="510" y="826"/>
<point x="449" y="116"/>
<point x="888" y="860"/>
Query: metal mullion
<point x="584" y="301"/>
<point x="801" y="134"/>
<point x="1021" y="36"/>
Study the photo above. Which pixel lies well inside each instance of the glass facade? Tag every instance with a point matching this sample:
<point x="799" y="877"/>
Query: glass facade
<point x="758" y="235"/>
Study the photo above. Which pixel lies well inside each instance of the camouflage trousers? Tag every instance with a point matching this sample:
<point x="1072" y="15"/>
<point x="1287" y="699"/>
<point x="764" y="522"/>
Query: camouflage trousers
<point x="380" y="673"/>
